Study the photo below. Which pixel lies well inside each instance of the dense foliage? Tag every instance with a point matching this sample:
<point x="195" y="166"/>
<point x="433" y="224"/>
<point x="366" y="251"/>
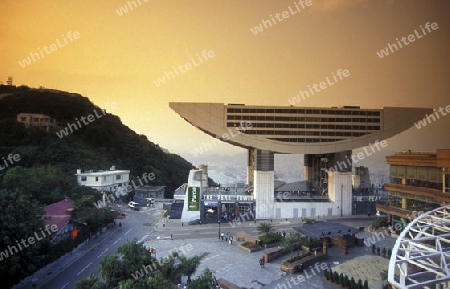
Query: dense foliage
<point x="134" y="267"/>
<point x="45" y="172"/>
<point x="98" y="145"/>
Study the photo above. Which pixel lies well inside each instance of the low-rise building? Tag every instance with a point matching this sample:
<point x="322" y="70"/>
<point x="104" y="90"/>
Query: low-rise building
<point x="112" y="181"/>
<point x="420" y="182"/>
<point x="37" y="120"/>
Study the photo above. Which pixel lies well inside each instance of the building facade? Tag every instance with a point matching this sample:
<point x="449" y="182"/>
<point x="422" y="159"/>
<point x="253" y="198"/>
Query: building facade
<point x="420" y="182"/>
<point x="112" y="181"/>
<point x="326" y="136"/>
<point x="37" y="120"/>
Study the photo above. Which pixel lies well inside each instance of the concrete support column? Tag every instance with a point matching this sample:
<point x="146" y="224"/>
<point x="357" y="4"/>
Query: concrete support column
<point x="404" y="203"/>
<point x="251" y="159"/>
<point x="325" y="246"/>
<point x="344" y="244"/>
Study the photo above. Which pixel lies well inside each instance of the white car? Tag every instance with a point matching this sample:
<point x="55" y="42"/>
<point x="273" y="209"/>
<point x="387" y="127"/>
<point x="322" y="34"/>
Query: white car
<point x="134" y="206"/>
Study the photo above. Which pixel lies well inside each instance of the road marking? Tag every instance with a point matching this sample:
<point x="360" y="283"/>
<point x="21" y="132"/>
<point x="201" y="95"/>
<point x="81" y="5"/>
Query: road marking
<point x="117" y="241"/>
<point x="128" y="231"/>
<point x="64" y="286"/>
<point x="84" y="269"/>
<point x="102" y="253"/>
<point x="204" y="233"/>
<point x="142" y="239"/>
<point x="182" y="234"/>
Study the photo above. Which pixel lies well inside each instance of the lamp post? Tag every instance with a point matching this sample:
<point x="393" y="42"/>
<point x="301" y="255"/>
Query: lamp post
<point x="342" y="189"/>
<point x="219" y="228"/>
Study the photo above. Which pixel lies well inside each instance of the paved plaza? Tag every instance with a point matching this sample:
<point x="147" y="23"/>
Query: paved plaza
<point x="242" y="268"/>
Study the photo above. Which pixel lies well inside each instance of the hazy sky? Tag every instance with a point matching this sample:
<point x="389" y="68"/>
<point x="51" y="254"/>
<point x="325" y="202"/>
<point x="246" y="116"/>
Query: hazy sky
<point x="118" y="58"/>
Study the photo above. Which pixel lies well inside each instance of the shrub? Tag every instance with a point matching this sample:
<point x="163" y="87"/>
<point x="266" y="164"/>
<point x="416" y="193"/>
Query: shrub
<point x="270" y="238"/>
<point x="389" y="253"/>
<point x="381" y="222"/>
<point x="250" y="245"/>
<point x="331" y="275"/>
<point x="325" y="274"/>
<point x="378" y="251"/>
<point x="374" y="248"/>
<point x="366" y="284"/>
<point x="341" y="279"/>
<point x="383" y="252"/>
<point x="336" y="277"/>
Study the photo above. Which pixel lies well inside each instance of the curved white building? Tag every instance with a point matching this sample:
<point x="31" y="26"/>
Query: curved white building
<point x="326" y="136"/>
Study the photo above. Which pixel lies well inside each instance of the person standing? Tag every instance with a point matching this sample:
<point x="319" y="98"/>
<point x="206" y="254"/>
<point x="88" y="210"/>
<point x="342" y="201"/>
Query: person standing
<point x="221" y="235"/>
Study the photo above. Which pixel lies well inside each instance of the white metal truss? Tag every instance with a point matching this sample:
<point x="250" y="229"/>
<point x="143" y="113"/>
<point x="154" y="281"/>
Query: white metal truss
<point x="421" y="254"/>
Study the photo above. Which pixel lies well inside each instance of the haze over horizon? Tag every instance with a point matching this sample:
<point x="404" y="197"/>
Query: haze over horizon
<point x="109" y="55"/>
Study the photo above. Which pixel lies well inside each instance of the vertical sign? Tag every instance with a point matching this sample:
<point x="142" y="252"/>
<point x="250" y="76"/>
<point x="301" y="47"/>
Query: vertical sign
<point x="193" y="198"/>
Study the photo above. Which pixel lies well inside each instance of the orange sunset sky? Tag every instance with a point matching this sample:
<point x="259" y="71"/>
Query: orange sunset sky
<point x="118" y="58"/>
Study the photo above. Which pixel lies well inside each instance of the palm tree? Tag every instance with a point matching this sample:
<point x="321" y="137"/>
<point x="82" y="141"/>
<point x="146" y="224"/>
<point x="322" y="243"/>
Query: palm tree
<point x="265" y="228"/>
<point x="111" y="269"/>
<point x="291" y="242"/>
<point x="188" y="266"/>
<point x="90" y="282"/>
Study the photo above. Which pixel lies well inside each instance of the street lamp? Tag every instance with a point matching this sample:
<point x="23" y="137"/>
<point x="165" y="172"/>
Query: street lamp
<point x="219" y="228"/>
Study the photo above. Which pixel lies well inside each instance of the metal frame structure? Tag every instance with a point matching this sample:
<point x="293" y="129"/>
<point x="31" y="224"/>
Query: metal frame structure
<point x="421" y="254"/>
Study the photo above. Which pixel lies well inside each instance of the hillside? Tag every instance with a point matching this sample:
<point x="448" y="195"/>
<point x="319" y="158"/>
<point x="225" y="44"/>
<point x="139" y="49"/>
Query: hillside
<point x="98" y="145"/>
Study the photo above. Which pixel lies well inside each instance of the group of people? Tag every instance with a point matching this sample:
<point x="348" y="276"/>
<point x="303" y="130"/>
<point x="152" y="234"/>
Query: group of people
<point x="227" y="237"/>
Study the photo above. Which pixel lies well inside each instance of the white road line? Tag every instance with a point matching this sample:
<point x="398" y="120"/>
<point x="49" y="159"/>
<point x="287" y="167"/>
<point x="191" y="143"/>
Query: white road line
<point x="181" y="234"/>
<point x="204" y="233"/>
<point x="117" y="241"/>
<point x="84" y="269"/>
<point x="64" y="286"/>
<point x="128" y="231"/>
<point x="103" y="253"/>
<point x="142" y="239"/>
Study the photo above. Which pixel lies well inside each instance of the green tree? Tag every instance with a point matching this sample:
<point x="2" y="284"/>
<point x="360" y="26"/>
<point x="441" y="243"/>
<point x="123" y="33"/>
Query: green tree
<point x="21" y="219"/>
<point x="134" y="256"/>
<point x="291" y="242"/>
<point x="188" y="266"/>
<point x="203" y="281"/>
<point x="112" y="270"/>
<point x="91" y="282"/>
<point x="265" y="228"/>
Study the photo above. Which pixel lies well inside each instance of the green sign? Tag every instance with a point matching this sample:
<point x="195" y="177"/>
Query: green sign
<point x="193" y="199"/>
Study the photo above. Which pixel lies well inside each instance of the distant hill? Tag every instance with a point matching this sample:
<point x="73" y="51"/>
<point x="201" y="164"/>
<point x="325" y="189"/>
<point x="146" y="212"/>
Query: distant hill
<point x="97" y="145"/>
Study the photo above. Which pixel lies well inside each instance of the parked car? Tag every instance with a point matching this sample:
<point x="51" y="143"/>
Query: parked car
<point x="134" y="206"/>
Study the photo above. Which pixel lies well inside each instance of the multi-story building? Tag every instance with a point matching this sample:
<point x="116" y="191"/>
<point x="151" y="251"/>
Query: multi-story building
<point x="113" y="181"/>
<point x="325" y="136"/>
<point x="420" y="182"/>
<point x="38" y="120"/>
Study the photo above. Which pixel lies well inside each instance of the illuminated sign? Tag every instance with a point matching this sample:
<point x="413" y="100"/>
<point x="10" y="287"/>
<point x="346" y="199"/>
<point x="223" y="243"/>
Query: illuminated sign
<point x="193" y="198"/>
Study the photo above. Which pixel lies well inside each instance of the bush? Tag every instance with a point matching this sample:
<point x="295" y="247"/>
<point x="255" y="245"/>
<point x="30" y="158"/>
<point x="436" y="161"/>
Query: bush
<point x="270" y="238"/>
<point x="341" y="279"/>
<point x="296" y="258"/>
<point x="250" y="245"/>
<point x="381" y="222"/>
<point x="331" y="274"/>
<point x="325" y="274"/>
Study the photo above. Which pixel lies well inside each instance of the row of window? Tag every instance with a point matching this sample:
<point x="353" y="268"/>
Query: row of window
<point x="303" y="119"/>
<point x="314" y="133"/>
<point x="307" y="140"/>
<point x="304" y="111"/>
<point x="84" y="178"/>
<point x="309" y="126"/>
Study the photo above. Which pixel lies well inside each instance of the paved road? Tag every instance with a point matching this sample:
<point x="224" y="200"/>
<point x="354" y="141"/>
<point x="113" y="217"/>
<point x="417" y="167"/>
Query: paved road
<point x="227" y="261"/>
<point x="138" y="226"/>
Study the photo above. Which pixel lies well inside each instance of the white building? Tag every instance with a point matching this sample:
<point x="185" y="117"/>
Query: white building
<point x="113" y="181"/>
